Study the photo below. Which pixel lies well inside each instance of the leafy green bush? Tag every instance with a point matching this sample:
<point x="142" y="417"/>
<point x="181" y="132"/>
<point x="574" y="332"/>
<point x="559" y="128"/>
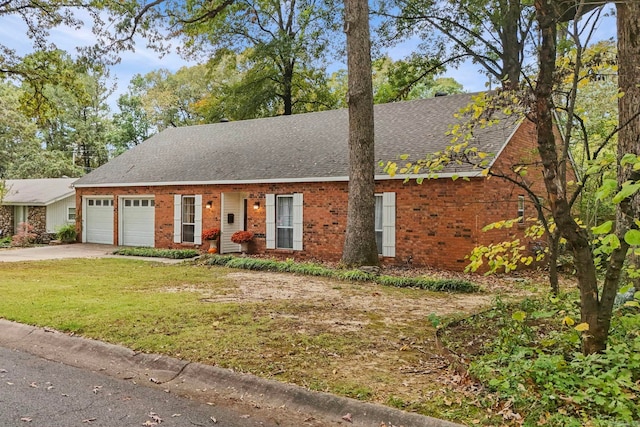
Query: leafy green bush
<point x="5" y="242"/>
<point x="443" y="285"/>
<point x="311" y="269"/>
<point x="158" y="253"/>
<point x="535" y="363"/>
<point x="67" y="233"/>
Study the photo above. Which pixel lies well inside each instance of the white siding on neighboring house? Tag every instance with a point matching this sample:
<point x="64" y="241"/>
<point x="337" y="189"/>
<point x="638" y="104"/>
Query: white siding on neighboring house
<point x="57" y="213"/>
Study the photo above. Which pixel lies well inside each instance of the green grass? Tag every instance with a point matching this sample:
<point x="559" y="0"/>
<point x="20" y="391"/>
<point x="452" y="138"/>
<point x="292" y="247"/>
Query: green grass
<point x="176" y="310"/>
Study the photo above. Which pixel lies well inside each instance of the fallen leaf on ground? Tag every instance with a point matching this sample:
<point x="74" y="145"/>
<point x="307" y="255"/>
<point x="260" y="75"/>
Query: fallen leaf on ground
<point x="26" y="419"/>
<point x="89" y="420"/>
<point x="347" y="418"/>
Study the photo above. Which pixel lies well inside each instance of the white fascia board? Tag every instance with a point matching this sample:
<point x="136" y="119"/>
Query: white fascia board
<point x="382" y="177"/>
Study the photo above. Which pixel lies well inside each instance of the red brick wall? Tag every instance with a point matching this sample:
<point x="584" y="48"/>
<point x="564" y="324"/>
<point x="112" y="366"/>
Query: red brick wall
<point x="437" y="223"/>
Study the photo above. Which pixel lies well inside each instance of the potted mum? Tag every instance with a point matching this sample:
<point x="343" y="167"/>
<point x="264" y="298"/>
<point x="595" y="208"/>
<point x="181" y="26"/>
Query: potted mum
<point x="212" y="235"/>
<point x="243" y="238"/>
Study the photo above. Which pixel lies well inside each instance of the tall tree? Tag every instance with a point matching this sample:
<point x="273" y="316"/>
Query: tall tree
<point x="285" y="38"/>
<point x="16" y="130"/>
<point x="596" y="300"/>
<point x="493" y="33"/>
<point x="360" y="242"/>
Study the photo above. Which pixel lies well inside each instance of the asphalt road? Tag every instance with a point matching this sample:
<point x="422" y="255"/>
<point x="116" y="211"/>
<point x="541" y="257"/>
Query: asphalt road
<point x="35" y="392"/>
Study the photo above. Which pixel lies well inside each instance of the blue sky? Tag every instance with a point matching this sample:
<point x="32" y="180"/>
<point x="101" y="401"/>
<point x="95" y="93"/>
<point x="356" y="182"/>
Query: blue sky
<point x="144" y="60"/>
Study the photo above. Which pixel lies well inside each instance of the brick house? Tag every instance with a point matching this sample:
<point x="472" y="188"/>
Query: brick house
<point x="45" y="204"/>
<point x="285" y="179"/>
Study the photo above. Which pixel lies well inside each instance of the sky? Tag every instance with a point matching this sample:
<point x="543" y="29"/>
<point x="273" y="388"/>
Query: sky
<point x="144" y="60"/>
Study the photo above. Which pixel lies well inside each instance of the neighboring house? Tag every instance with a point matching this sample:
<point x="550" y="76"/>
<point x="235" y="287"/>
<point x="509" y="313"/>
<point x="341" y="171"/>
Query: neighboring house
<point x="46" y="204"/>
<point x="285" y="179"/>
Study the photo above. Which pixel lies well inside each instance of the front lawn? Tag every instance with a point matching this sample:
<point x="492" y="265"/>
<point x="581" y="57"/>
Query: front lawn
<point x="361" y="340"/>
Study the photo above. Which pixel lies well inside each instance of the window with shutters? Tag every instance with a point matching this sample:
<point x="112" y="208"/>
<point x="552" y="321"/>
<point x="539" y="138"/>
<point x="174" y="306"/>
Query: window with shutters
<point x="188" y="219"/>
<point x="284" y="222"/>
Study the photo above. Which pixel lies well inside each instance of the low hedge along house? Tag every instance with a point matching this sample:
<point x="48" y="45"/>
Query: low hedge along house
<point x="285" y="179"/>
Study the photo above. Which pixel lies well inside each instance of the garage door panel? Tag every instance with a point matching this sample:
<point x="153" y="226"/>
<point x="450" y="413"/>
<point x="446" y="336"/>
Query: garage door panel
<point x="99" y="221"/>
<point x="138" y="222"/>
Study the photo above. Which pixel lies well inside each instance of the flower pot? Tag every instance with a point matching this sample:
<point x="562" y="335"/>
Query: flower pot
<point x="213" y="244"/>
<point x="244" y="247"/>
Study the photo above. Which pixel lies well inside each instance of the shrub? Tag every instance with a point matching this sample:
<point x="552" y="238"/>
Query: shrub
<point x="5" y="242"/>
<point x="158" y="253"/>
<point x="537" y="365"/>
<point x="25" y="235"/>
<point x="311" y="269"/>
<point x="67" y="233"/>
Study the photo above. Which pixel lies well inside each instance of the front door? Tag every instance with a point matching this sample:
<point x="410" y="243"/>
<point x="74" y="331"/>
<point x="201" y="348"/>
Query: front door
<point x="20" y="215"/>
<point x="233" y="219"/>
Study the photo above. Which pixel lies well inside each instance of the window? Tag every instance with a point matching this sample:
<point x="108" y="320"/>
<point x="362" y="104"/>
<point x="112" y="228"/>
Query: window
<point x="71" y="214"/>
<point x="385" y="224"/>
<point x="378" y="223"/>
<point x="188" y="219"/>
<point x="520" y="209"/>
<point x="284" y="222"/>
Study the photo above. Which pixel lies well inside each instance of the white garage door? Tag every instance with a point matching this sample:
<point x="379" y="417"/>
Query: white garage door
<point x="99" y="221"/>
<point x="138" y="222"/>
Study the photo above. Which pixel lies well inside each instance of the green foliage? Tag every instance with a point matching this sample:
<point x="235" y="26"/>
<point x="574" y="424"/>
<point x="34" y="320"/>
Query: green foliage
<point x="158" y="253"/>
<point x="67" y="233"/>
<point x="535" y="363"/>
<point x="311" y="269"/>
<point x="5" y="242"/>
<point x="509" y="255"/>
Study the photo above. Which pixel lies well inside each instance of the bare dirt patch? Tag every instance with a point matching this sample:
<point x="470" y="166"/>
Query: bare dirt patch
<point x="361" y="340"/>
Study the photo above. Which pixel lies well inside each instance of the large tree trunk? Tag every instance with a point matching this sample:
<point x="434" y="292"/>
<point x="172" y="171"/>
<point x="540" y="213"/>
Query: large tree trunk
<point x="628" y="15"/>
<point x="512" y="45"/>
<point x="596" y="306"/>
<point x="595" y="311"/>
<point x="360" y="242"/>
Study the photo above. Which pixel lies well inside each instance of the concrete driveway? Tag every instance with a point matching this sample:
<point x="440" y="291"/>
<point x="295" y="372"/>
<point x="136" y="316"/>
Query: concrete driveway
<point x="77" y="250"/>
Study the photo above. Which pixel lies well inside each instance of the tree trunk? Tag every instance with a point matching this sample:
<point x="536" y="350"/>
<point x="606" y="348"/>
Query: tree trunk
<point x="554" y="243"/>
<point x="577" y="238"/>
<point x="596" y="307"/>
<point x="512" y="45"/>
<point x="628" y="16"/>
<point x="360" y="242"/>
<point x="287" y="88"/>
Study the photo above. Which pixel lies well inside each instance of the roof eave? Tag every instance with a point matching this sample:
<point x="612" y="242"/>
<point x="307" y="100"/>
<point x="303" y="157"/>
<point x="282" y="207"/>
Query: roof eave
<point x="378" y="177"/>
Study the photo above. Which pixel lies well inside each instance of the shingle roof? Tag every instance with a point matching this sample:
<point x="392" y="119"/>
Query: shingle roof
<point x="37" y="192"/>
<point x="310" y="146"/>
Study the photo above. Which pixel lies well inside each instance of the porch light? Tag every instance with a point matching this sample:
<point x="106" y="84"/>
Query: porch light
<point x="256" y="206"/>
<point x="209" y="204"/>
